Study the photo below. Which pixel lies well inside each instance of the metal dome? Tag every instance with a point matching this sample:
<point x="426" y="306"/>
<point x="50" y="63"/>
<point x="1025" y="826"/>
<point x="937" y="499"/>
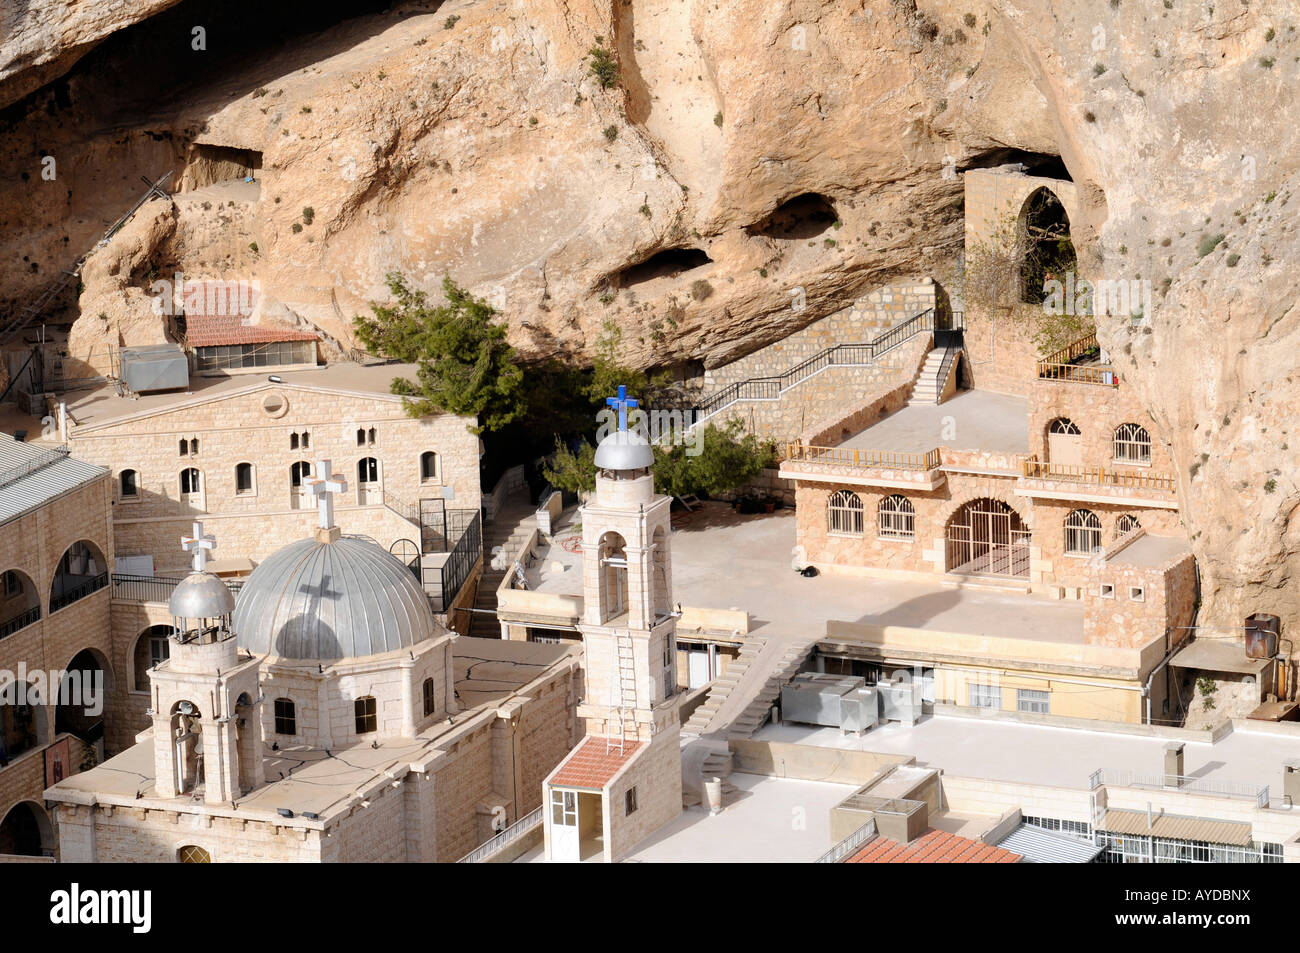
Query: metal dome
<point x="624" y="450"/>
<point x="332" y="600"/>
<point x="201" y="595"/>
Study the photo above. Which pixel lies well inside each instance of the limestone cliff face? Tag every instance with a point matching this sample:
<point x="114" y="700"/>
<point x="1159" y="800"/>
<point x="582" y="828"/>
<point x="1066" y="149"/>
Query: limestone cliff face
<point x="758" y="165"/>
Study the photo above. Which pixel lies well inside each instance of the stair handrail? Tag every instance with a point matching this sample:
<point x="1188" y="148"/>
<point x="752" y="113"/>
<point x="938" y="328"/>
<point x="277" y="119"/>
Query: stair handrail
<point x="771" y="388"/>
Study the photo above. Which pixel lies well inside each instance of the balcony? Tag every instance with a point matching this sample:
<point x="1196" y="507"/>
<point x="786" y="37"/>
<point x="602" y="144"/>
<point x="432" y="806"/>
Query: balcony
<point x="866" y="467"/>
<point x="1097" y="484"/>
<point x="1077" y="364"/>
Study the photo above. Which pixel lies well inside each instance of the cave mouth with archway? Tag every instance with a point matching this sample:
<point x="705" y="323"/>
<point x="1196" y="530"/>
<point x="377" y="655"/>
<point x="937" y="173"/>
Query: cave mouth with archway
<point x="1046" y="249"/>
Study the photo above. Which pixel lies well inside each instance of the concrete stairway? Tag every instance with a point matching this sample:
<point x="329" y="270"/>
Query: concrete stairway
<point x="505" y="533"/>
<point x="705" y="758"/>
<point x="721" y="687"/>
<point x="781" y="670"/>
<point x="928" y="387"/>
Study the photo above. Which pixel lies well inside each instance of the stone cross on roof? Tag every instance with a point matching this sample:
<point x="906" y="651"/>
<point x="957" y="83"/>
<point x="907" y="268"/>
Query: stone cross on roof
<point x="198" y="545"/>
<point x="623" y="403"/>
<point x="323" y="485"/>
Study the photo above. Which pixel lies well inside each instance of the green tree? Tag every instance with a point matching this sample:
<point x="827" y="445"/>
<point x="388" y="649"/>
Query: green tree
<point x="567" y="470"/>
<point x="728" y="458"/>
<point x="464" y="363"/>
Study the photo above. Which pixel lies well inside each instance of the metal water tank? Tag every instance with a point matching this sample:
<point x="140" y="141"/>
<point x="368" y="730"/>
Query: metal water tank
<point x="1262" y="631"/>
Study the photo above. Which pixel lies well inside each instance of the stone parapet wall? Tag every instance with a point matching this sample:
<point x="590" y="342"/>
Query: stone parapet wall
<point x="866" y="319"/>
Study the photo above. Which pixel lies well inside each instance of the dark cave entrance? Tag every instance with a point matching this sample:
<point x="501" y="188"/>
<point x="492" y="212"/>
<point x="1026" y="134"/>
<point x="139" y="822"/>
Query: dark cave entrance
<point x="668" y="263"/>
<point x="207" y="164"/>
<point x="804" y="216"/>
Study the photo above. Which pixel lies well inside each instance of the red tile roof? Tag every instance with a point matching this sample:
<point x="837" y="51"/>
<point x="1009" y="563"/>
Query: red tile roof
<point x="590" y="765"/>
<point x="213" y="331"/>
<point x="933" y="847"/>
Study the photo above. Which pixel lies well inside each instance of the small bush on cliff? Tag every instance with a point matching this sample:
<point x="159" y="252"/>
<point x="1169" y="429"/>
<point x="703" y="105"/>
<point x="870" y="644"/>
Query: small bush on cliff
<point x="465" y="364"/>
<point x="603" y="66"/>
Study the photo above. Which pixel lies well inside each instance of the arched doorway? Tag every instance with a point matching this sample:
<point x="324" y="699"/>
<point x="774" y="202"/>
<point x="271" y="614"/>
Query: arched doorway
<point x="26" y="831"/>
<point x="300" y="495"/>
<point x="369" y="490"/>
<point x="613" y="576"/>
<point x="83" y="693"/>
<point x="81" y="571"/>
<point x="1046" y="251"/>
<point x="987" y="536"/>
<point x="20" y="602"/>
<point x="23" y="724"/>
<point x="1064" y="442"/>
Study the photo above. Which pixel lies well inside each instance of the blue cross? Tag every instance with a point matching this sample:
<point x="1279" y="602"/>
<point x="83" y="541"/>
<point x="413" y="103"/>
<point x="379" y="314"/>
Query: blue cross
<point x="623" y="403"/>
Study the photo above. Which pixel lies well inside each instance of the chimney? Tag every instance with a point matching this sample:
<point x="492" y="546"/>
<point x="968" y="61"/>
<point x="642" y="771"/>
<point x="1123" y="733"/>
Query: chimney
<point x="1174" y="764"/>
<point x="1291" y="780"/>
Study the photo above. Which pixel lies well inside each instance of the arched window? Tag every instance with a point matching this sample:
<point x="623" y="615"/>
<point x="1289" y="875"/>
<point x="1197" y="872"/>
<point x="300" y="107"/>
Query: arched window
<point x="1132" y="444"/>
<point x="367" y="718"/>
<point x="428" y="467"/>
<point x="194" y="446"/>
<point x="184" y="447"/>
<point x="430" y="697"/>
<point x="191" y="485"/>
<point x="193" y="854"/>
<point x="1063" y="426"/>
<point x="286" y="717"/>
<point x="20" y="602"/>
<point x="293" y="441"/>
<point x="1082" y="533"/>
<point x="82" y="570"/>
<point x="361" y="437"/>
<point x="151" y="648"/>
<point x="897" y="517"/>
<point x="844" y="513"/>
<point x="1126" y="524"/>
<point x="128" y="485"/>
<point x="244" y="479"/>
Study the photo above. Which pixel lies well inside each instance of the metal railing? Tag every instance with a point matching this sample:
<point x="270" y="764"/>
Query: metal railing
<point x="849" y="845"/>
<point x="1100" y="374"/>
<point x="1099" y="476"/>
<point x="39" y="462"/>
<point x="69" y="596"/>
<point x="1181" y="782"/>
<point x="1074" y="350"/>
<point x="518" y="829"/>
<point x="443" y="583"/>
<point x="130" y="588"/>
<point x="20" y="621"/>
<point x="840" y="355"/>
<point x="863" y="459"/>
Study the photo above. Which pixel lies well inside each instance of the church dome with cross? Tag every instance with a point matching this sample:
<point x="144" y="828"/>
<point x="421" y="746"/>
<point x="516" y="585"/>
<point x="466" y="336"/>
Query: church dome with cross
<point x="332" y="597"/>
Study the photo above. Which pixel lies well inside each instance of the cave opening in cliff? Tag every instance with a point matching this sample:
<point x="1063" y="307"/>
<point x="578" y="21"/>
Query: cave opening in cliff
<point x="1047" y="253"/>
<point x="207" y="164"/>
<point x="804" y="216"/>
<point x="1044" y="165"/>
<point x="668" y="263"/>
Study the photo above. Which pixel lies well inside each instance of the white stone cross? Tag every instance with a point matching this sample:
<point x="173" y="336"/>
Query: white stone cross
<point x="198" y="544"/>
<point x="324" y="484"/>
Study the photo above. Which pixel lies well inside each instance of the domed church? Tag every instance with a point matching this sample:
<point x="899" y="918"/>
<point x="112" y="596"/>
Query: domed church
<point x="323" y="714"/>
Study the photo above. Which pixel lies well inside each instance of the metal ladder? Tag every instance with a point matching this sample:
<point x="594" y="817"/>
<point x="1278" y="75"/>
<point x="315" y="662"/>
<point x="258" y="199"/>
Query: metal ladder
<point x="623" y="687"/>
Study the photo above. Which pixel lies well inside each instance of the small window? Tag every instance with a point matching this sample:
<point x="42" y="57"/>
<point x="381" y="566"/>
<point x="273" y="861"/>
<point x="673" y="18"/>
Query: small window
<point x="983" y="696"/>
<point x="1132" y="444"/>
<point x="370" y="437"/>
<point x="1106" y="590"/>
<point x="293" y="441"/>
<point x="185" y="448"/>
<point x="629" y="801"/>
<point x="286" y="717"/>
<point x="1126" y="524"/>
<point x="430" y="697"/>
<point x="367" y="719"/>
<point x="128" y="486"/>
<point x="244" y="478"/>
<point x="194" y="447"/>
<point x="564" y="808"/>
<point x="1032" y="701"/>
<point x="428" y="467"/>
<point x="844" y="513"/>
<point x="897" y="517"/>
<point x="361" y="437"/>
<point x="1137" y="593"/>
<point x="306" y="439"/>
<point x="191" y="854"/>
<point x="1082" y="533"/>
<point x="190" y="482"/>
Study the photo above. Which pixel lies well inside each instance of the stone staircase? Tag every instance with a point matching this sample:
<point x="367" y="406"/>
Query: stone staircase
<point x="793" y="653"/>
<point x="928" y="387"/>
<point x="702" y="759"/>
<point x="504" y="534"/>
<point x="720" y="688"/>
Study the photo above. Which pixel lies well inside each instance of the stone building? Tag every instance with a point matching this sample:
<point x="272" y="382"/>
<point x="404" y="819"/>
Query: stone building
<point x="996" y="467"/>
<point x="624" y="781"/>
<point x="323" y="715"/>
<point x="56" y="548"/>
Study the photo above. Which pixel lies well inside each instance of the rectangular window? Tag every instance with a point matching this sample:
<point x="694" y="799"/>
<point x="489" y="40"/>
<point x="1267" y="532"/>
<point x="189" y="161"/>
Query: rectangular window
<point x="244" y="478"/>
<point x="128" y="483"/>
<point x="629" y="802"/>
<point x="984" y="696"/>
<point x="564" y="808"/>
<point x="286" y="717"/>
<point x="1032" y="701"/>
<point x="367" y="719"/>
<point x="430" y="697"/>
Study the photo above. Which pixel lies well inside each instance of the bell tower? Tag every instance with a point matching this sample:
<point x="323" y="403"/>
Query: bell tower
<point x="206" y="701"/>
<point x="628" y="624"/>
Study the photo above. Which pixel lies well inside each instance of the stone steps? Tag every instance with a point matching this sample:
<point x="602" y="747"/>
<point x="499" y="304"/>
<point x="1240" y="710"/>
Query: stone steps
<point x="721" y="687"/>
<point x="928" y="388"/>
<point x="505" y="534"/>
<point x="757" y="712"/>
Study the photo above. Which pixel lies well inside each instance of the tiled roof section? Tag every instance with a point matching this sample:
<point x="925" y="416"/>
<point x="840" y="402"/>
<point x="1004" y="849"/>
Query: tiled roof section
<point x="933" y="847"/>
<point x="591" y="765"/>
<point x="215" y="331"/>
